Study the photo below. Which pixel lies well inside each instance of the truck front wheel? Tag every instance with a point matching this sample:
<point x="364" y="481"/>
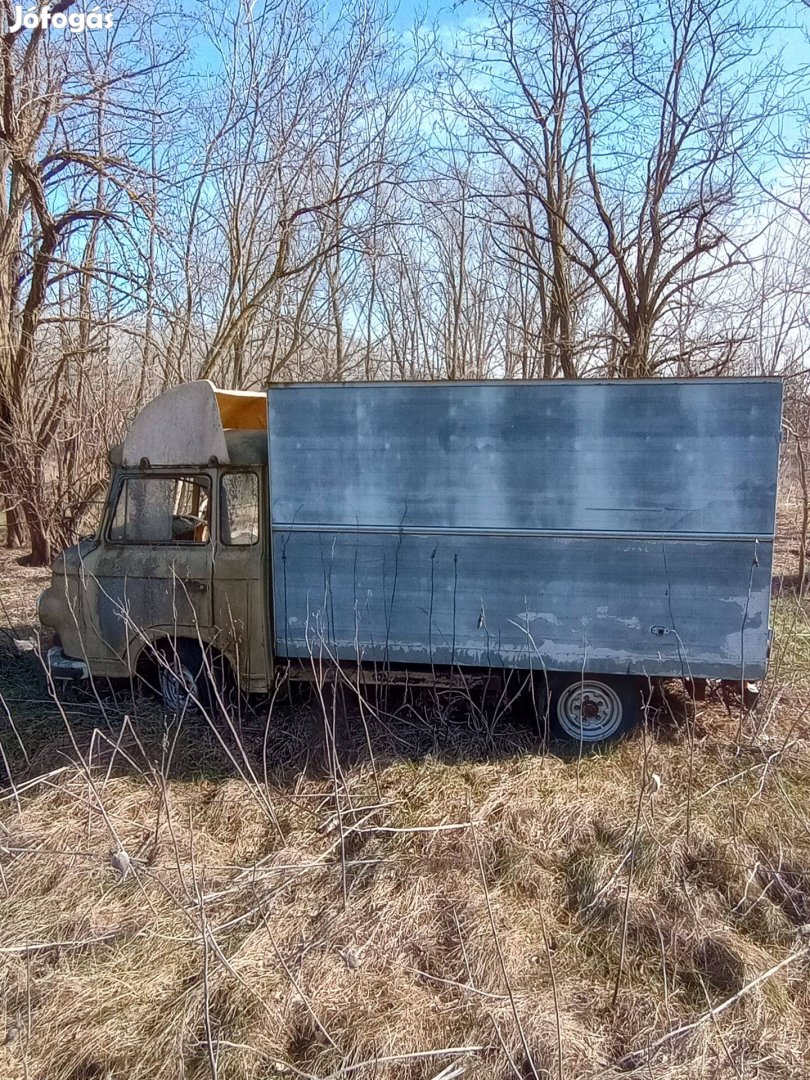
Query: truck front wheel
<point x="190" y="678"/>
<point x="594" y="709"/>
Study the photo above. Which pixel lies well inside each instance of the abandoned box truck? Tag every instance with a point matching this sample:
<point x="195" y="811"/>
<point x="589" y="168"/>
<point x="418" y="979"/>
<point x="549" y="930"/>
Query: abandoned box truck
<point x="597" y="533"/>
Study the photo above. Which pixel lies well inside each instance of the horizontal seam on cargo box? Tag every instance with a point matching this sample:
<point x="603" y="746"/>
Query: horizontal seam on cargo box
<point x="585" y="534"/>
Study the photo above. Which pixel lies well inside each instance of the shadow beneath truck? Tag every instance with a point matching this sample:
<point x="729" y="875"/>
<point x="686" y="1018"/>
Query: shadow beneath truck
<point x="303" y="733"/>
<point x="108" y="726"/>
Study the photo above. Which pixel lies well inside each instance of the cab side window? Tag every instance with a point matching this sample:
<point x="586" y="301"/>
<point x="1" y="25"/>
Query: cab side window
<point x="239" y="508"/>
<point x="162" y="510"/>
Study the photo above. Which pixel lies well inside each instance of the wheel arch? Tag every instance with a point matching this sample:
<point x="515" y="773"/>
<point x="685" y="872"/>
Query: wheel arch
<point x="144" y="647"/>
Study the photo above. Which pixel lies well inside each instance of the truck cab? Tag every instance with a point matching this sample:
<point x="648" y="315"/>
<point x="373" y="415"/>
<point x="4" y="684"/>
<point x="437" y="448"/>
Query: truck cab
<point x="178" y="561"/>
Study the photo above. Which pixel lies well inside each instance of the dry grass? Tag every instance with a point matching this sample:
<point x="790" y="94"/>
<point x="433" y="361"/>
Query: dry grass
<point x="476" y="909"/>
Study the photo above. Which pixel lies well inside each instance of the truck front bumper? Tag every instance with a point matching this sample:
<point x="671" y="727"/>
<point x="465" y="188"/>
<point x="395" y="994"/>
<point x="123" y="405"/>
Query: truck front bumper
<point x="65" y="667"/>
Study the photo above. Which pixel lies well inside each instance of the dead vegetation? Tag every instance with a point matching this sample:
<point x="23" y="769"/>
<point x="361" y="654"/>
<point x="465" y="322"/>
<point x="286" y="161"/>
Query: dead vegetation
<point x="433" y="900"/>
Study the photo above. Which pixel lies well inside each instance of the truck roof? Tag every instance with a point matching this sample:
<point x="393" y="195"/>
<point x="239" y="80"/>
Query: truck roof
<point x="195" y="422"/>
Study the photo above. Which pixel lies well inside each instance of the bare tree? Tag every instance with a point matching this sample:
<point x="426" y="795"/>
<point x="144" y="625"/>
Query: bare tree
<point x="62" y="190"/>
<point x="524" y="114"/>
<point x="626" y="129"/>
<point x="299" y="136"/>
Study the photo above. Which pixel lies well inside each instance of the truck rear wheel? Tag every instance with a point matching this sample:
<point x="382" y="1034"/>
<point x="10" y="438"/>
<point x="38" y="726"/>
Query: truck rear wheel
<point x="594" y="709"/>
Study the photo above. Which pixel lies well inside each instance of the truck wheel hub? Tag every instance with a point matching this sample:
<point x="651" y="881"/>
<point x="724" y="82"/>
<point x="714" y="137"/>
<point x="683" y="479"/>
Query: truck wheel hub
<point x="589" y="711"/>
<point x="178" y="688"/>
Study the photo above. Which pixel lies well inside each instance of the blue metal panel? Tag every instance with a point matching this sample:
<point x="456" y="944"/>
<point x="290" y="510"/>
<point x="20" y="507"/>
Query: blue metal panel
<point x="662" y="456"/>
<point x="664" y="607"/>
<point x="620" y="527"/>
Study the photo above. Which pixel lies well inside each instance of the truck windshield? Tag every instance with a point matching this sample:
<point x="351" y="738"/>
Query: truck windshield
<point x="162" y="510"/>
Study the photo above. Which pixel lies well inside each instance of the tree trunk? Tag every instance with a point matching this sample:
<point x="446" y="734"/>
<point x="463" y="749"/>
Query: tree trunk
<point x="39" y="542"/>
<point x="14" y="528"/>
<point x="635" y="362"/>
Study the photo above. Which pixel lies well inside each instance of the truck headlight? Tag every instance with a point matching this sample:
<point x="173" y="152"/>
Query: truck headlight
<point x="48" y="608"/>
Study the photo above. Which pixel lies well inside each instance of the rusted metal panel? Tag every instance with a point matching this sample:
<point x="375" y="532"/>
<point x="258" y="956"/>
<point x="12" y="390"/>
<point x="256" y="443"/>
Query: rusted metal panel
<point x="615" y="526"/>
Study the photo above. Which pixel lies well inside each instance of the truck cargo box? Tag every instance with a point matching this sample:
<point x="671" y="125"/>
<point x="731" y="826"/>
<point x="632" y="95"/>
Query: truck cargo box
<point x="618" y="527"/>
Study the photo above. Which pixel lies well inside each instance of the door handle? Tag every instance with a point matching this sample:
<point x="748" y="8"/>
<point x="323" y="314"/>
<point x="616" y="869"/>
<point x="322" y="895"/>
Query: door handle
<point x="195" y="586"/>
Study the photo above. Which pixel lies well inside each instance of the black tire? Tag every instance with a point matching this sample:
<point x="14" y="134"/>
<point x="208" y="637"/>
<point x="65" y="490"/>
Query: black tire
<point x="191" y="679"/>
<point x="611" y="704"/>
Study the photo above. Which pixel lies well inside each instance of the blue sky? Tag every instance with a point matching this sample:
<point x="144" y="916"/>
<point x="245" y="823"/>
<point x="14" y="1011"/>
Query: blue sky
<point x="789" y="44"/>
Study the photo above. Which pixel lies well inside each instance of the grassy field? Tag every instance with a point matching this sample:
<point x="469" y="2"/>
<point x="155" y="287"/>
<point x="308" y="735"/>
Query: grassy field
<point x="439" y="899"/>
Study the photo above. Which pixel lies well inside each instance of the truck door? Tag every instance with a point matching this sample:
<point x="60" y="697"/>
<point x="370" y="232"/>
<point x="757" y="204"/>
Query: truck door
<point x="151" y="574"/>
<point x="240" y="598"/>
